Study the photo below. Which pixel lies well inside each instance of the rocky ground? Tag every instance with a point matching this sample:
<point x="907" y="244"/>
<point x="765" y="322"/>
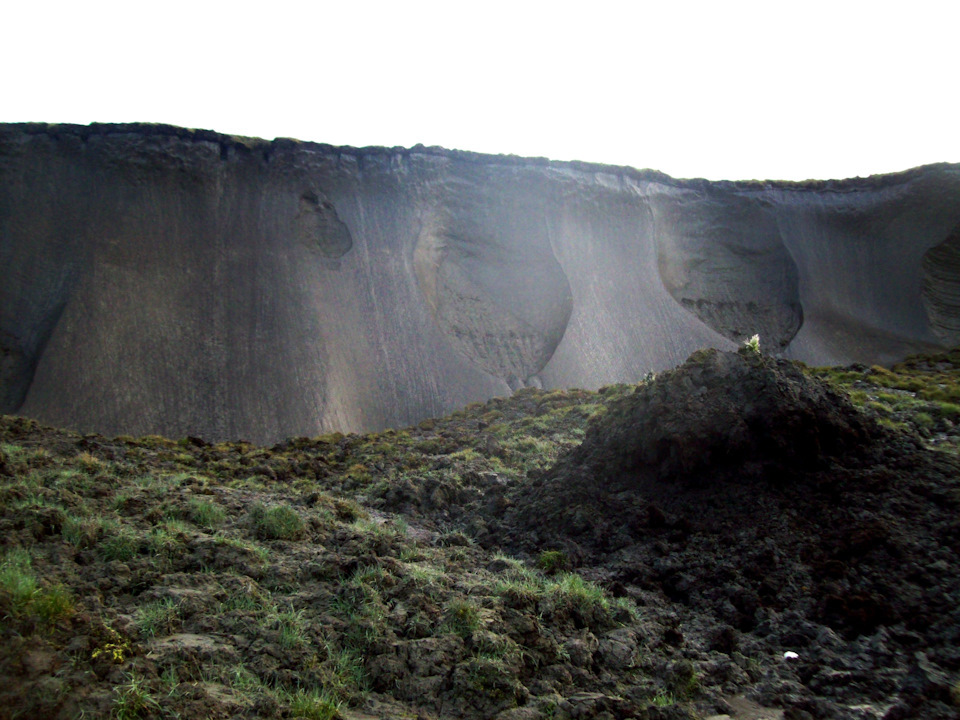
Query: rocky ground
<point x="741" y="536"/>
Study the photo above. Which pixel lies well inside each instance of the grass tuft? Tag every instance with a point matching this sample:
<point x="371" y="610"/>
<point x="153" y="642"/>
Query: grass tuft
<point x="279" y="522"/>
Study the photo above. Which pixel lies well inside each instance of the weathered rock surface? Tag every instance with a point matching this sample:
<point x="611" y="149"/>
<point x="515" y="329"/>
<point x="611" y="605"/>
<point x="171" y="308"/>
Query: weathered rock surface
<point x="157" y="279"/>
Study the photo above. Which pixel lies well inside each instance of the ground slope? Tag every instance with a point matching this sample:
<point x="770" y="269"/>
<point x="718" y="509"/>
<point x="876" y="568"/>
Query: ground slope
<point x="543" y="556"/>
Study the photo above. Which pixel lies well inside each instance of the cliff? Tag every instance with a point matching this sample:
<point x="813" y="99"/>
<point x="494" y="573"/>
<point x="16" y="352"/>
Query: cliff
<point x="157" y="279"/>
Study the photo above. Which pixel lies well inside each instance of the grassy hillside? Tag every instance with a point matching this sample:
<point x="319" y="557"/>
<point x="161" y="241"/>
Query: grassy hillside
<point x="341" y="576"/>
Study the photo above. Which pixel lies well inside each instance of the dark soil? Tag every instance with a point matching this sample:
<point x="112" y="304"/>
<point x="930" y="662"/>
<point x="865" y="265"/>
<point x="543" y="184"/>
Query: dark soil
<point x="759" y="512"/>
<point x="733" y="537"/>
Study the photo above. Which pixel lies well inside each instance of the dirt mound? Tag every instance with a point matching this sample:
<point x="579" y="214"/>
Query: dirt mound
<point x="710" y="444"/>
<point x="724" y="415"/>
<point x="757" y="512"/>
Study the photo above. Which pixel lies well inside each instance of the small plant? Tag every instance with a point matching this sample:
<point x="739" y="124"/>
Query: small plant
<point x="663" y="699"/>
<point x="277" y="523"/>
<point x="753" y="344"/>
<point x="552" y="561"/>
<point x="160" y="616"/>
<point x="52" y="604"/>
<point x="17" y="579"/>
<point x="133" y="699"/>
<point x="314" y="705"/>
<point x="206" y="514"/>
<point x="115" y="649"/>
<point x="463" y="618"/>
<point x="682" y="681"/>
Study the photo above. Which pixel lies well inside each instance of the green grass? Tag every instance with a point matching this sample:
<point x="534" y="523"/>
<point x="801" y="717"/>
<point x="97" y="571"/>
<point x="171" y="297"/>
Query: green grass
<point x="85" y="531"/>
<point x="552" y="561"/>
<point x="293" y="626"/>
<point x="462" y="618"/>
<point x="162" y="543"/>
<point x="25" y="597"/>
<point x="260" y="553"/>
<point x="206" y="514"/>
<point x="314" y="705"/>
<point x="663" y="699"/>
<point x="247" y="602"/>
<point x="158" y="617"/>
<point x="52" y="604"/>
<point x="278" y="522"/>
<point x="133" y="699"/>
<point x="17" y="579"/>
<point x="574" y="591"/>
<point x="122" y="546"/>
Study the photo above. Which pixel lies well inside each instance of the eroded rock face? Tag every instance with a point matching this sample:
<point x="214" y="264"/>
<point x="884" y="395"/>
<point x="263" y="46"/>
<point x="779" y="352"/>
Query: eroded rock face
<point x="318" y="224"/>
<point x="721" y="256"/>
<point x="503" y="303"/>
<point x="941" y="288"/>
<point x="162" y="280"/>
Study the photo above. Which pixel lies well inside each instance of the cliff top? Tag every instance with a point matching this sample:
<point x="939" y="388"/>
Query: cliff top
<point x="646" y="174"/>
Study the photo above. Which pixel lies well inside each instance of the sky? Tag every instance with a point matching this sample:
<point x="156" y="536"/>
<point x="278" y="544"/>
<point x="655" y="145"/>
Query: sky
<point x="721" y="90"/>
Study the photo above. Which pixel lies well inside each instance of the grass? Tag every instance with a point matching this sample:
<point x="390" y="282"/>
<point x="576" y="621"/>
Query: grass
<point x="462" y="618"/>
<point x="920" y="394"/>
<point x="314" y="705"/>
<point x="260" y="553"/>
<point x="552" y="561"/>
<point x="206" y="514"/>
<point x="52" y="604"/>
<point x="123" y="545"/>
<point x="278" y="522"/>
<point x="663" y="699"/>
<point x="164" y="544"/>
<point x="133" y="699"/>
<point x="84" y="532"/>
<point x="306" y="626"/>
<point x="572" y="590"/>
<point x="157" y="617"/>
<point x="17" y="580"/>
<point x="292" y="625"/>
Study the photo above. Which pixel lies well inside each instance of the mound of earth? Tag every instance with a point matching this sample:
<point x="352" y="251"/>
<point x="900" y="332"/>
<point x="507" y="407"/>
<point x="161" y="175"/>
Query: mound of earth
<point x="756" y="511"/>
<point x="725" y="414"/>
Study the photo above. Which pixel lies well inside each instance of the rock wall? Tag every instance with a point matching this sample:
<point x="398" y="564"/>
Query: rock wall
<point x="157" y="279"/>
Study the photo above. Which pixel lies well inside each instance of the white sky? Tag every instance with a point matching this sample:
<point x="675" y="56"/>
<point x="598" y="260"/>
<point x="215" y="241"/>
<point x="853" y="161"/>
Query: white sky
<point x="718" y="89"/>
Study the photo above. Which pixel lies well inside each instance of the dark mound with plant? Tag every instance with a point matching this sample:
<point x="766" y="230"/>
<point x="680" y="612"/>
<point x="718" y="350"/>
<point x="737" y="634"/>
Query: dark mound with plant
<point x="724" y="427"/>
<point x="759" y="508"/>
<point x="724" y="415"/>
<point x="657" y="565"/>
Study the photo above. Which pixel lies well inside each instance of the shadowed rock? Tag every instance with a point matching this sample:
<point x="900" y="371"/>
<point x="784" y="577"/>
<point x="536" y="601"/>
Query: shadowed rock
<point x="941" y="288"/>
<point x="317" y="223"/>
<point x="722" y="258"/>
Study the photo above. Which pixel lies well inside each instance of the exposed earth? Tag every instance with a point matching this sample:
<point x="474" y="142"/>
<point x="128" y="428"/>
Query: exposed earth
<point x="741" y="537"/>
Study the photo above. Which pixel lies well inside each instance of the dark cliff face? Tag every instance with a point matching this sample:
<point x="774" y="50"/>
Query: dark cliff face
<point x="157" y="279"/>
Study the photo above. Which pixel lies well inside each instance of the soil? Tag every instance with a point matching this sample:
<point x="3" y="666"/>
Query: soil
<point x="734" y="538"/>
